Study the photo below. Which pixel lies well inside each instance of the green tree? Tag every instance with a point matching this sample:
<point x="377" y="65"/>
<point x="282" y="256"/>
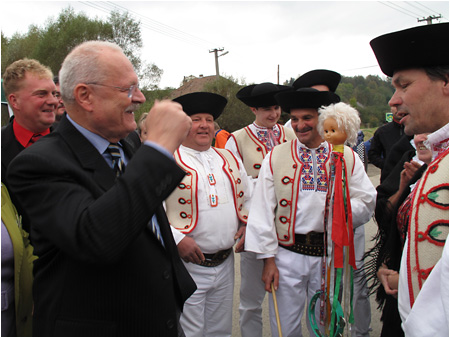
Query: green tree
<point x="126" y="32"/>
<point x="20" y="46"/>
<point x="236" y="114"/>
<point x="51" y="44"/>
<point x="62" y="34"/>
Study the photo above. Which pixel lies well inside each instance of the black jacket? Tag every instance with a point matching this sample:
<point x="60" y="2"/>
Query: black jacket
<point x="101" y="271"/>
<point x="382" y="141"/>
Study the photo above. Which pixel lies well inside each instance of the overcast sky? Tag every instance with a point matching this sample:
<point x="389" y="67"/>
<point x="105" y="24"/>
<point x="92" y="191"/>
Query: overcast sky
<point x="258" y="35"/>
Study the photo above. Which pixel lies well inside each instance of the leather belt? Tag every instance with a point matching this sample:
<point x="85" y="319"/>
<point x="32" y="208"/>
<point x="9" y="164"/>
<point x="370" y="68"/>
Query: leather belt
<point x="215" y="259"/>
<point x="310" y="244"/>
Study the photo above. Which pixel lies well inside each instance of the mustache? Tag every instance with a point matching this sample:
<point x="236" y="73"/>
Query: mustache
<point x="304" y="130"/>
<point x="133" y="107"/>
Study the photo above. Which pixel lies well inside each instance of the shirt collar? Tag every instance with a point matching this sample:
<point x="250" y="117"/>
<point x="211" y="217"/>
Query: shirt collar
<point x="23" y="135"/>
<point x="97" y="141"/>
<point x="274" y="128"/>
<point x="324" y="144"/>
<point x="437" y="142"/>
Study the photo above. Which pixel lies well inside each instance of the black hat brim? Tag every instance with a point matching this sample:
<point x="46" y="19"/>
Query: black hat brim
<point x="261" y="95"/>
<point x="418" y="47"/>
<point x="306" y="98"/>
<point x="318" y="77"/>
<point x="202" y="102"/>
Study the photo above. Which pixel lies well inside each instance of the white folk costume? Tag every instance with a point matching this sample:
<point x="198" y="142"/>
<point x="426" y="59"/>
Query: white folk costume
<point x="428" y="213"/>
<point x="287" y="217"/>
<point x="427" y="234"/>
<point x="212" y="222"/>
<point x="251" y="144"/>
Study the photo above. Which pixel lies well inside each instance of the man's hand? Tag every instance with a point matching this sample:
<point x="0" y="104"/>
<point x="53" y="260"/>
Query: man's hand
<point x="167" y="124"/>
<point x="240" y="234"/>
<point x="270" y="274"/>
<point x="389" y="280"/>
<point x="407" y="173"/>
<point x="189" y="251"/>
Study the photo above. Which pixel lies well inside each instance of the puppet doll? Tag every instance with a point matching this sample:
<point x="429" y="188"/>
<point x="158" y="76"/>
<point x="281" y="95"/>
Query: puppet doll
<point x="338" y="124"/>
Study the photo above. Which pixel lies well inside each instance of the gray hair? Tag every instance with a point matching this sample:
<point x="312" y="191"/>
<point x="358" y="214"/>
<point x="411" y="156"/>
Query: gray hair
<point x="347" y="118"/>
<point x="83" y="65"/>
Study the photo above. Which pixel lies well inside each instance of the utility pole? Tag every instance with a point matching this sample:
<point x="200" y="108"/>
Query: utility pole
<point x="278" y="75"/>
<point x="216" y="57"/>
<point x="430" y="19"/>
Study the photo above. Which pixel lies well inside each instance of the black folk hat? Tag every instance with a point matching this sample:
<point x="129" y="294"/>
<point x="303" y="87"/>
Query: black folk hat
<point x="261" y="95"/>
<point x="306" y="98"/>
<point x="325" y="77"/>
<point x="202" y="102"/>
<point x="418" y="47"/>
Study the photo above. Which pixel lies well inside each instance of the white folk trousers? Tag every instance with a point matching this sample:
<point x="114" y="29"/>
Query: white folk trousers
<point x="299" y="281"/>
<point x="252" y="294"/>
<point x="208" y="312"/>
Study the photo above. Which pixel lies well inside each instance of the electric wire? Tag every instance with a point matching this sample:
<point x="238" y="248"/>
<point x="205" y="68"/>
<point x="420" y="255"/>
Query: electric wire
<point x="403" y="8"/>
<point x="151" y="24"/>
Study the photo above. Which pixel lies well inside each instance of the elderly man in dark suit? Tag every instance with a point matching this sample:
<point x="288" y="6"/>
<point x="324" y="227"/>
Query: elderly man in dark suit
<point x="108" y="264"/>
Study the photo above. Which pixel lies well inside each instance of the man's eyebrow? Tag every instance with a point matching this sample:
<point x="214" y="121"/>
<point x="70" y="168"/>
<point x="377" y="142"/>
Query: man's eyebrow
<point x="397" y="80"/>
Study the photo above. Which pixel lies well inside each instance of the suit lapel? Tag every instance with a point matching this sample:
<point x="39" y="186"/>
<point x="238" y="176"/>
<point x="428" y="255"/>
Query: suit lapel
<point x="88" y="156"/>
<point x="92" y="160"/>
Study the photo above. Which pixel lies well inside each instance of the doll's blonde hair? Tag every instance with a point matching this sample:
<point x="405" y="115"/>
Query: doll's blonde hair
<point x="347" y="119"/>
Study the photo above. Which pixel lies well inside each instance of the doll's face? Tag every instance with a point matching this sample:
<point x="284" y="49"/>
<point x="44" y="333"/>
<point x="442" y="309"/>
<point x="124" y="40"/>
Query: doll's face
<point x="332" y="133"/>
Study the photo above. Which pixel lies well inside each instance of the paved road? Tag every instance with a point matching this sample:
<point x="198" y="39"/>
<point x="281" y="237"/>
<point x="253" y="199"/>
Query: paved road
<point x="371" y="228"/>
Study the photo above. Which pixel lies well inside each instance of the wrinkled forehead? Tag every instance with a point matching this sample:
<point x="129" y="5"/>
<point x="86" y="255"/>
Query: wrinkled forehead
<point x="304" y="112"/>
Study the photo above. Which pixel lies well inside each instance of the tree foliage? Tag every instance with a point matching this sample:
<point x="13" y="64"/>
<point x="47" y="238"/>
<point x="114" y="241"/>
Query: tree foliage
<point x="51" y="44"/>
<point x="369" y="95"/>
<point x="236" y="114"/>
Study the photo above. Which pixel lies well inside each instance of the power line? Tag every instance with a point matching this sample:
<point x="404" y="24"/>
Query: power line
<point x="381" y="2"/>
<point x="433" y="11"/>
<point x="407" y="10"/>
<point x="413" y="5"/>
<point x="151" y="24"/>
<point x="169" y="28"/>
<point x="427" y="8"/>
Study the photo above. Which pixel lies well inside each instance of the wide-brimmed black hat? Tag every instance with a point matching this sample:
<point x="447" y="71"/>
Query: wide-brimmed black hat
<point x="261" y="95"/>
<point x="306" y="98"/>
<point x="318" y="77"/>
<point x="418" y="47"/>
<point x="202" y="102"/>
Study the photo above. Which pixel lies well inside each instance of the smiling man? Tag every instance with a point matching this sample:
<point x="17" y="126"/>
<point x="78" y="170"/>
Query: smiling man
<point x="208" y="211"/>
<point x="251" y="144"/>
<point x="30" y="92"/>
<point x="285" y="227"/>
<point x="417" y="61"/>
<point x="108" y="264"/>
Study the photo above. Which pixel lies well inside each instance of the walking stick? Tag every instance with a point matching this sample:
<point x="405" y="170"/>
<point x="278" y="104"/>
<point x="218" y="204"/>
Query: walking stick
<point x="276" y="310"/>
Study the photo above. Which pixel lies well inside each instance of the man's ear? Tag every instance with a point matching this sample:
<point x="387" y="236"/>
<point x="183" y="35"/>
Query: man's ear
<point x="84" y="96"/>
<point x="13" y="102"/>
<point x="445" y="88"/>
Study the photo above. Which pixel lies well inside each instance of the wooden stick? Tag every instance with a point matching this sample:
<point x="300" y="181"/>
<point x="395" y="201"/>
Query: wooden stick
<point x="276" y="310"/>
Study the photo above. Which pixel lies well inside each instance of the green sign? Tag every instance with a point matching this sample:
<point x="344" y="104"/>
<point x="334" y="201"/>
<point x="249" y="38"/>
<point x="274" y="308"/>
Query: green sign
<point x="389" y="117"/>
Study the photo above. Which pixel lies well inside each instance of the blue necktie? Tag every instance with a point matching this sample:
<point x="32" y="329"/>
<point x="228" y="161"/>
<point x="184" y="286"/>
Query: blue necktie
<point x="156" y="230"/>
<point x="117" y="161"/>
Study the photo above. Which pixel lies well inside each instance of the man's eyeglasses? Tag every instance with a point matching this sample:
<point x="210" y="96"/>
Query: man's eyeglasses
<point x="130" y="89"/>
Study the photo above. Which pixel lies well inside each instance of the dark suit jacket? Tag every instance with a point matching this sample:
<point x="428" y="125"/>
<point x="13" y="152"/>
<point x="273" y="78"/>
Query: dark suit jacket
<point x="10" y="149"/>
<point x="100" y="271"/>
